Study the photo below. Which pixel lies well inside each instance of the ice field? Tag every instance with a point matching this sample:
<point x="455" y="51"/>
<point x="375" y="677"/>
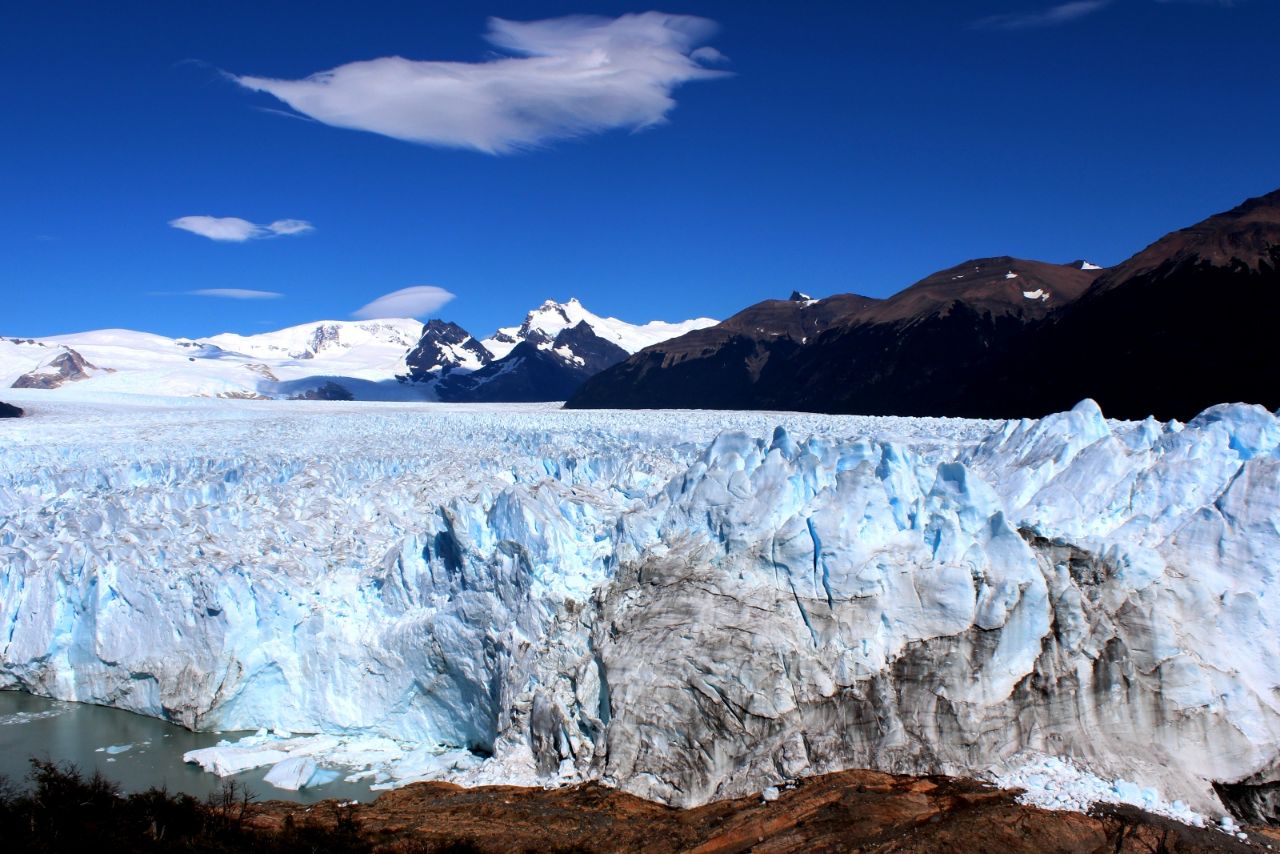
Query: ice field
<point x="688" y="605"/>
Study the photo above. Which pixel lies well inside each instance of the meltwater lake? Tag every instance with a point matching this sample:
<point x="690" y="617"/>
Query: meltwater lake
<point x="134" y="751"/>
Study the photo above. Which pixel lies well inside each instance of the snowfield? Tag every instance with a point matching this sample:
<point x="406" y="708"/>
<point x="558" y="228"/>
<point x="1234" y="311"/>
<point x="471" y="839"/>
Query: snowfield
<point x="688" y="605"/>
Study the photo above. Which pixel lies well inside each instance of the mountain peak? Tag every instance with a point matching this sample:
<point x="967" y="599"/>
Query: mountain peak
<point x="548" y="320"/>
<point x="1246" y="238"/>
<point x="443" y="347"/>
<point x="1000" y="285"/>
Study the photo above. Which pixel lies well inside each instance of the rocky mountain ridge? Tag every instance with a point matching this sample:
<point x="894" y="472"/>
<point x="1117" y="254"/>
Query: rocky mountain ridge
<point x="1176" y="328"/>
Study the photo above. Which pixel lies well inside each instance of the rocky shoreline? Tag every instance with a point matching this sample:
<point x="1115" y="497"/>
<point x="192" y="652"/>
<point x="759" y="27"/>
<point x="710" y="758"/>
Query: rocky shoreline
<point x="855" y="811"/>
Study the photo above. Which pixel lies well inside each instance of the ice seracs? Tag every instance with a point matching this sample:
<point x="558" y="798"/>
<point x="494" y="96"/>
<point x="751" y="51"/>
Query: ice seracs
<point x="688" y="605"/>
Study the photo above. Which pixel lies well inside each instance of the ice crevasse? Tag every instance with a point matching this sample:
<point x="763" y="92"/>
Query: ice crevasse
<point x="686" y="605"/>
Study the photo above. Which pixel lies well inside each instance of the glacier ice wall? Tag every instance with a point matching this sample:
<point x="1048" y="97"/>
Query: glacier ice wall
<point x="687" y="605"/>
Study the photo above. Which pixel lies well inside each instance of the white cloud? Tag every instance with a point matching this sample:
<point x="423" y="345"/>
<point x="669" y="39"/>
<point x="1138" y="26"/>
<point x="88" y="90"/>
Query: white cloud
<point x="417" y="301"/>
<point x="235" y="293"/>
<point x="290" y="226"/>
<point x="568" y="77"/>
<point x="1066" y="12"/>
<point x="1059" y="14"/>
<point x="233" y="229"/>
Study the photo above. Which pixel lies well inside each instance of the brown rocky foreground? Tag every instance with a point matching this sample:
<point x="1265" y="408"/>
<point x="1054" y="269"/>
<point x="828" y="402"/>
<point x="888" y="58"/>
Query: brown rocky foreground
<point x="854" y="811"/>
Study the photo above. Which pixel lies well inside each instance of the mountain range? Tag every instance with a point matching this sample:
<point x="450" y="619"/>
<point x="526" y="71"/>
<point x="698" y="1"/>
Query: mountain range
<point x="544" y="358"/>
<point x="1178" y="327"/>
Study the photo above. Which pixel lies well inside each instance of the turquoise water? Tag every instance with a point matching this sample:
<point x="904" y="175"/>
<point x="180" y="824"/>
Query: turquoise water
<point x="80" y="734"/>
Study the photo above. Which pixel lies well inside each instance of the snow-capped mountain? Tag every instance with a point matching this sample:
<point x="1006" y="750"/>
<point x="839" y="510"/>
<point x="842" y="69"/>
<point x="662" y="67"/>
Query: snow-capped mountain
<point x="365" y="355"/>
<point x="547" y="357"/>
<point x="444" y="347"/>
<point x="536" y="370"/>
<point x="326" y="339"/>
<point x="544" y="323"/>
<point x="557" y="347"/>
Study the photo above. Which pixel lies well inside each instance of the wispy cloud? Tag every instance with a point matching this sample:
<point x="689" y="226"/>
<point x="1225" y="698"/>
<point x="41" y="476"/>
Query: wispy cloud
<point x="417" y="301"/>
<point x="1064" y="13"/>
<point x="233" y="229"/>
<point x="567" y="77"/>
<point x="1060" y="14"/>
<point x="235" y="293"/>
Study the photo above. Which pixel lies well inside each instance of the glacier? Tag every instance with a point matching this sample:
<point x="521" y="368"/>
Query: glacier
<point x="687" y="605"/>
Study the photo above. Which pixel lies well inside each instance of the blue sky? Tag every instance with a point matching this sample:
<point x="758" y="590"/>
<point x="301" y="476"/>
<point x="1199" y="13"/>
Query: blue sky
<point x="851" y="146"/>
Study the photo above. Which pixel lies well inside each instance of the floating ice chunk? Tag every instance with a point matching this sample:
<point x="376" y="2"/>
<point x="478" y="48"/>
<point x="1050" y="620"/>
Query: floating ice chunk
<point x="291" y="774"/>
<point x="118" y="748"/>
<point x="227" y="760"/>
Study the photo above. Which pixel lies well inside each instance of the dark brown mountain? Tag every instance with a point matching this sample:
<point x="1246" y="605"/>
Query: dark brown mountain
<point x="719" y="367"/>
<point x="1182" y="325"/>
<point x="846" y="353"/>
<point x="8" y="410"/>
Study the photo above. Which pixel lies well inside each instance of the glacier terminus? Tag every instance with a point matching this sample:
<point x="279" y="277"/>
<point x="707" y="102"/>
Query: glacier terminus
<point x="687" y="605"/>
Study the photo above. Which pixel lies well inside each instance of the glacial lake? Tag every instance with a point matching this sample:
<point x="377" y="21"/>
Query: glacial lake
<point x="82" y="734"/>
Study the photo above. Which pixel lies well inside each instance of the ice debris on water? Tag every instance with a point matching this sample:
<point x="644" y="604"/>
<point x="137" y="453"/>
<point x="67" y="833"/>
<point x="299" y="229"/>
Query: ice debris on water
<point x="19" y="718"/>
<point x="293" y="760"/>
<point x="298" y="772"/>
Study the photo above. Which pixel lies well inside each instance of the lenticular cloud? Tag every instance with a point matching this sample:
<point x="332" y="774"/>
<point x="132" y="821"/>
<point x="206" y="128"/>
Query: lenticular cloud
<point x="416" y="301"/>
<point x="233" y="229"/>
<point x="570" y="77"/>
